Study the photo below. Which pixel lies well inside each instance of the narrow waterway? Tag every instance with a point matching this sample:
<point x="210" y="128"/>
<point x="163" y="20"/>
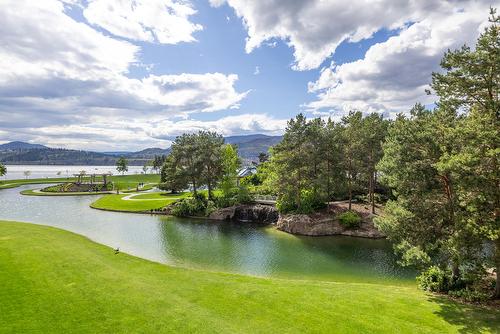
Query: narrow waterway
<point x="217" y="246"/>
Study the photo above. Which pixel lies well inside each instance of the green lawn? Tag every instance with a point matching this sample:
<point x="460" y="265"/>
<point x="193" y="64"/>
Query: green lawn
<point x="120" y="181"/>
<point x="34" y="192"/>
<point x="137" y="203"/>
<point x="53" y="281"/>
<point x="6" y="184"/>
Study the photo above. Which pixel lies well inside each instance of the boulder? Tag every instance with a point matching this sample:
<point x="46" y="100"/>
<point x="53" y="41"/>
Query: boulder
<point x="247" y="213"/>
<point x="318" y="224"/>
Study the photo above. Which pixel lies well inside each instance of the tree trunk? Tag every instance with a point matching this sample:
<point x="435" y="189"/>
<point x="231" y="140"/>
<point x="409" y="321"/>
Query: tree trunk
<point x="372" y="191"/>
<point x="194" y="187"/>
<point x="497" y="263"/>
<point x="350" y="194"/>
<point x="209" y="185"/>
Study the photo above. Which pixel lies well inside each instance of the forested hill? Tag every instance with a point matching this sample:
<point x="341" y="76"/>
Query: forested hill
<point x="20" y="153"/>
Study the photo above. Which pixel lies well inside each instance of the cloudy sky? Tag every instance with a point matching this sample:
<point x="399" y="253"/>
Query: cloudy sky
<point x="112" y="75"/>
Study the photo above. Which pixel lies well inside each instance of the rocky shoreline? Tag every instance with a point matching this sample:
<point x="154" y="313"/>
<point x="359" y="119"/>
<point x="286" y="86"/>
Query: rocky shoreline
<point x="317" y="224"/>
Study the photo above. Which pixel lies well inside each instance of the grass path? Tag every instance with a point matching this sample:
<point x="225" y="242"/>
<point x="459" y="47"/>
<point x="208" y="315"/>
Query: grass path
<point x="53" y="281"/>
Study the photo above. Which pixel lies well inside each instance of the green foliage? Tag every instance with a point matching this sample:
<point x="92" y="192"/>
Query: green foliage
<point x="231" y="163"/>
<point x="443" y="167"/>
<point x="309" y="202"/>
<point x="349" y="219"/>
<point x="3" y="170"/>
<point x="470" y="295"/>
<point x="332" y="160"/>
<point x="122" y="165"/>
<point x="195" y="159"/>
<point x="243" y="195"/>
<point x="434" y="279"/>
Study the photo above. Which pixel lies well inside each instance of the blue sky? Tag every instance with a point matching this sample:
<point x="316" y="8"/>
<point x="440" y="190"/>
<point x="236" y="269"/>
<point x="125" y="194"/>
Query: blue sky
<point x="129" y="74"/>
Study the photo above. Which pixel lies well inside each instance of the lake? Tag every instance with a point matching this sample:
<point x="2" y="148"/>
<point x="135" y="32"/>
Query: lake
<point x="209" y="245"/>
<point x="46" y="171"/>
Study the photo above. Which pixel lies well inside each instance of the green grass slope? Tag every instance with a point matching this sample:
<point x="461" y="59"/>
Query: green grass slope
<point x="53" y="281"/>
<point x="120" y="181"/>
<point x="136" y="203"/>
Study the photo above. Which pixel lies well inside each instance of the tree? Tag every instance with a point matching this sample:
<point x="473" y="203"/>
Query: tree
<point x="196" y="159"/>
<point x="122" y="165"/>
<point x="27" y="173"/>
<point x="171" y="176"/>
<point x="158" y="162"/>
<point x="352" y="148"/>
<point x="412" y="151"/>
<point x="471" y="83"/>
<point x="263" y="157"/>
<point x="374" y="130"/>
<point x="230" y="165"/>
<point x="3" y="170"/>
<point x="443" y="167"/>
<point x="209" y="145"/>
<point x="145" y="168"/>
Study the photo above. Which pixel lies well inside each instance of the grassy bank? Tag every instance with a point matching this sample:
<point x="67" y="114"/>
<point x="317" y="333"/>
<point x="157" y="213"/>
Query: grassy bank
<point x="122" y="182"/>
<point x="135" y="202"/>
<point x="55" y="281"/>
<point x="35" y="192"/>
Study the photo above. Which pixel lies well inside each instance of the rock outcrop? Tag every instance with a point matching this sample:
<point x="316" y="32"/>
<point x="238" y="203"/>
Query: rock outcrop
<point x="325" y="224"/>
<point x="247" y="213"/>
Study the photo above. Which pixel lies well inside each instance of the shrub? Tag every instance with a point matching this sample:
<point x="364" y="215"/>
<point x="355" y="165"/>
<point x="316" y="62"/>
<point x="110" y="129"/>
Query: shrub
<point x="190" y="207"/>
<point x="349" y="219"/>
<point x="469" y="295"/>
<point x="243" y="195"/>
<point x="285" y="204"/>
<point x="434" y="279"/>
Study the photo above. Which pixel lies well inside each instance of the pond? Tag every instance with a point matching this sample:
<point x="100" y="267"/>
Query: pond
<point x="209" y="245"/>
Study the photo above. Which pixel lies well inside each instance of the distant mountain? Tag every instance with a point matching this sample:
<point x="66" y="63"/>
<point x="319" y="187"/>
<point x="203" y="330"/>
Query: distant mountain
<point x="249" y="149"/>
<point x="148" y="153"/>
<point x="20" y="153"/>
<point x="19" y="145"/>
<point x="244" y="138"/>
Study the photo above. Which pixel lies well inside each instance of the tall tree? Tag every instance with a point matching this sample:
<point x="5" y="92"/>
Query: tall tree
<point x="210" y="154"/>
<point x="173" y="178"/>
<point x="471" y="83"/>
<point x="230" y="164"/>
<point x="122" y="165"/>
<point x="422" y="221"/>
<point x="373" y="133"/>
<point x="352" y="149"/>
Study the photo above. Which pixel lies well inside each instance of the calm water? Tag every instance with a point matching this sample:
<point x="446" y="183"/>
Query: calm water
<point x="227" y="247"/>
<point x="42" y="171"/>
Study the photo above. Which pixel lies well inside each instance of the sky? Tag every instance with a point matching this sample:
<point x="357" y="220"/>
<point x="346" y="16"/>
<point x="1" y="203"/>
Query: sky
<point x="113" y="75"/>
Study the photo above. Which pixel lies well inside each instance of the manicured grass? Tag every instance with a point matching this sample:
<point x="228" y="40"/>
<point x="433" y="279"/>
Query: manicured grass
<point x="34" y="192"/>
<point x="53" y="281"/>
<point x="6" y="184"/>
<point x="117" y="203"/>
<point x="120" y="181"/>
<point x="160" y="195"/>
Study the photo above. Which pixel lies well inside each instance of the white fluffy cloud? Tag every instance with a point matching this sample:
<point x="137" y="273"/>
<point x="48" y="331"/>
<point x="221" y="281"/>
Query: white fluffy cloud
<point x="394" y="74"/>
<point x="59" y="75"/>
<point x="162" y="21"/>
<point x="315" y="28"/>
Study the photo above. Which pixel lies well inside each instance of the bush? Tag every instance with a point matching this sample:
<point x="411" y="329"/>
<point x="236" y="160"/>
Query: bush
<point x="285" y="204"/>
<point x="349" y="219"/>
<point x="244" y="196"/>
<point x="190" y="207"/>
<point x="434" y="279"/>
<point x="470" y="295"/>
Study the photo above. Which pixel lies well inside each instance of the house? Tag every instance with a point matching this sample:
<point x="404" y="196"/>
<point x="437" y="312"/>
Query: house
<point x="245" y="171"/>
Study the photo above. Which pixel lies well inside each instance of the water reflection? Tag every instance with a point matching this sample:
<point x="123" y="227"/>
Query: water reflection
<point x="218" y="246"/>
